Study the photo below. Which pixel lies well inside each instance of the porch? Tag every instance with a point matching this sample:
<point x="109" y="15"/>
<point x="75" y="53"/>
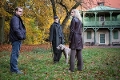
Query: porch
<point x="103" y="24"/>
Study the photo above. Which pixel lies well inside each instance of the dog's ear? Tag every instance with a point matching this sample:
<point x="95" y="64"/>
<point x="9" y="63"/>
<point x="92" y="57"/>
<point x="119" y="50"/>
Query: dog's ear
<point x="63" y="46"/>
<point x="60" y="46"/>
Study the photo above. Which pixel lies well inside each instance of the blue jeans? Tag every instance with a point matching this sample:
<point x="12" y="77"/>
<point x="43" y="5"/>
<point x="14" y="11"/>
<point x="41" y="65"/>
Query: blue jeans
<point x="14" y="56"/>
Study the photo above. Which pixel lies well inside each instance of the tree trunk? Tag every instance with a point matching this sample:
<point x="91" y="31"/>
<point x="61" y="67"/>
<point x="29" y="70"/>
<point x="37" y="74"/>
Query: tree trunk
<point x="68" y="14"/>
<point x="2" y="20"/>
<point x="65" y="20"/>
<point x="53" y="7"/>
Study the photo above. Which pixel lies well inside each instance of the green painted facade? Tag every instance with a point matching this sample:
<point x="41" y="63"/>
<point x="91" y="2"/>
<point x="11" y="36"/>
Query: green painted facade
<point x="102" y="21"/>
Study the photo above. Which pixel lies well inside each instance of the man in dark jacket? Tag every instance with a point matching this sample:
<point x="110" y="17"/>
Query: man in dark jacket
<point x="16" y="35"/>
<point x="56" y="38"/>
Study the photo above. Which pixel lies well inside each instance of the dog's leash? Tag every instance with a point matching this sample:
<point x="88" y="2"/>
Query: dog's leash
<point x="51" y="50"/>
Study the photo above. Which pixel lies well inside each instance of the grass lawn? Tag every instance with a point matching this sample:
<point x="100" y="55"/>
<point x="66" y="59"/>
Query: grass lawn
<point x="99" y="64"/>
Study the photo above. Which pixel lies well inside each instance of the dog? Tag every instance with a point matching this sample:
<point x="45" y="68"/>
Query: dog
<point x="66" y="51"/>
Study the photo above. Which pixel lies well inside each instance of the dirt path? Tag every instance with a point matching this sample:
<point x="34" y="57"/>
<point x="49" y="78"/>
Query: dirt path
<point x="7" y="47"/>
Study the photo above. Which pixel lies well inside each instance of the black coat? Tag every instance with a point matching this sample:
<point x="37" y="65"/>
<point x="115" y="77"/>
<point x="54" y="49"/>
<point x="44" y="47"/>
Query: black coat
<point x="75" y="37"/>
<point x="56" y="34"/>
<point x="17" y="29"/>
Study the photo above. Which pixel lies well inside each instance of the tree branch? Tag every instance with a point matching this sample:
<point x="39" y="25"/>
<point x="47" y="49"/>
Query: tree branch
<point x="53" y="7"/>
<point x="60" y="3"/>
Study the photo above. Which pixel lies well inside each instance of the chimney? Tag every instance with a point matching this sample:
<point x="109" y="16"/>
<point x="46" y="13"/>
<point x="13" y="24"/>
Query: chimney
<point x="100" y="3"/>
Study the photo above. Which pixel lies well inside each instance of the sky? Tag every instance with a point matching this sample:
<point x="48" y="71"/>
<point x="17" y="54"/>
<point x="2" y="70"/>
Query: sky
<point x="92" y="3"/>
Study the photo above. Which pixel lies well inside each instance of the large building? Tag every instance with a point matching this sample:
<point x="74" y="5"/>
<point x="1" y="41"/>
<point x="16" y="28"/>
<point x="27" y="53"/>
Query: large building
<point x="101" y="25"/>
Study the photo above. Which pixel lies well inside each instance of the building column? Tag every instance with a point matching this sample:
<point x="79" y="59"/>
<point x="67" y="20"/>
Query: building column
<point x="83" y="27"/>
<point x="110" y="36"/>
<point x="95" y="29"/>
<point x="111" y="16"/>
<point x="111" y="29"/>
<point x="95" y="17"/>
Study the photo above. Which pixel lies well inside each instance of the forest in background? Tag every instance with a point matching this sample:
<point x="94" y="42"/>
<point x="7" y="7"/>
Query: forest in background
<point x="38" y="16"/>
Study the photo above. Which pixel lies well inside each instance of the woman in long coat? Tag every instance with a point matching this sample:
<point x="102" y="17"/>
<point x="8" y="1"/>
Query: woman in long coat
<point x="75" y="40"/>
<point x="56" y="38"/>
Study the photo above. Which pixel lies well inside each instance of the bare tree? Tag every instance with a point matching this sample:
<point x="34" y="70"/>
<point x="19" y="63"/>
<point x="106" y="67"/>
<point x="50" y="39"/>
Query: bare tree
<point x="61" y="3"/>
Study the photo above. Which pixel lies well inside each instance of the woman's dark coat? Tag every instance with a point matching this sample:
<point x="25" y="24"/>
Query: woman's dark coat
<point x="75" y="37"/>
<point x="17" y="29"/>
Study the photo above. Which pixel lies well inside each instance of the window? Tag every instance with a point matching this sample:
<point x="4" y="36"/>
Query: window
<point x="115" y="34"/>
<point x="102" y="38"/>
<point x="102" y="18"/>
<point x="88" y="34"/>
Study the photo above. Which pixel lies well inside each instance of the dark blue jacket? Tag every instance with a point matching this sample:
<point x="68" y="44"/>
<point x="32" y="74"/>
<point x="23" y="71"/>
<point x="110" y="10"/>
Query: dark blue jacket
<point x="17" y="29"/>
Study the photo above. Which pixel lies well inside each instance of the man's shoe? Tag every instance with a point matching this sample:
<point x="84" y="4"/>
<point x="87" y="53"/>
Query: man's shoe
<point x="55" y="62"/>
<point x="19" y="72"/>
<point x="79" y="69"/>
<point x="70" y="70"/>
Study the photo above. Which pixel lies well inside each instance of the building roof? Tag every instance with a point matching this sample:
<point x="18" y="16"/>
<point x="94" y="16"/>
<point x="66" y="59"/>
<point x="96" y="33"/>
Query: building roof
<point x="102" y="8"/>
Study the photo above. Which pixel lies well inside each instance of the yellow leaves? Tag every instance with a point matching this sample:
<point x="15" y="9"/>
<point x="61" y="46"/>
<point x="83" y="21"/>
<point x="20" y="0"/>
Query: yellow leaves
<point x="3" y="12"/>
<point x="34" y="34"/>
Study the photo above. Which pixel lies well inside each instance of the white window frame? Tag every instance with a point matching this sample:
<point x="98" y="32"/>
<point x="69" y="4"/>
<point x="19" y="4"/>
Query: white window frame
<point x="99" y="38"/>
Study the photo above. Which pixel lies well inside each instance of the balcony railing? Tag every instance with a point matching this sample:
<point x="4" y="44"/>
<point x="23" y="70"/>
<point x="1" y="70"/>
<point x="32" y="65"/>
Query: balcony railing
<point x="101" y="23"/>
